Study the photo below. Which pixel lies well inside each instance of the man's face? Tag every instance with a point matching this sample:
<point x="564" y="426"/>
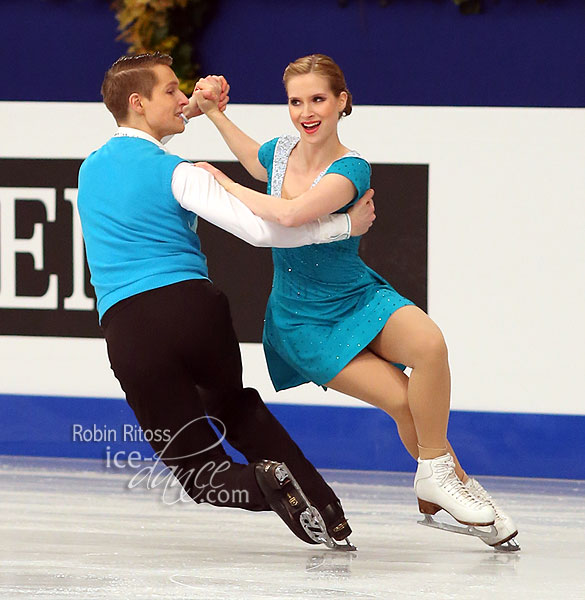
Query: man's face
<point x="162" y="112"/>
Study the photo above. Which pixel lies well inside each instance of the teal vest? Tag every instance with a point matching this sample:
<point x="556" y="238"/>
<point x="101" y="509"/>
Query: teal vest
<point x="137" y="236"/>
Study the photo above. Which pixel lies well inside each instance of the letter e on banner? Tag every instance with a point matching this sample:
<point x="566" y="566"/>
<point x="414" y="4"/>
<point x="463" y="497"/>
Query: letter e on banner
<point x="10" y="246"/>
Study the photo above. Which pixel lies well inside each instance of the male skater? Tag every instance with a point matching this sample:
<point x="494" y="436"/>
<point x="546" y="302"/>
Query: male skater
<point x="168" y="330"/>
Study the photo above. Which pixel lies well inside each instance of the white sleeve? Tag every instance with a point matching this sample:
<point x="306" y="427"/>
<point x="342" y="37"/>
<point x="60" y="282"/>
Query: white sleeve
<point x="196" y="190"/>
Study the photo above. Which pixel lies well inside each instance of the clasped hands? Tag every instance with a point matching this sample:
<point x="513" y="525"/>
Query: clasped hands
<point x="210" y="93"/>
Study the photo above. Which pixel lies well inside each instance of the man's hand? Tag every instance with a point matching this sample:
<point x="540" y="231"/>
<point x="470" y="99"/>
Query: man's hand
<point x="207" y="94"/>
<point x="362" y="214"/>
<point x="214" y="88"/>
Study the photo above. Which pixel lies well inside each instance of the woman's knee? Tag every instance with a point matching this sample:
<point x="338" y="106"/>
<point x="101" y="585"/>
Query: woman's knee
<point x="430" y="347"/>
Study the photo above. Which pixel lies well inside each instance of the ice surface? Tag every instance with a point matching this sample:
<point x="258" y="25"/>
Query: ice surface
<point x="72" y="529"/>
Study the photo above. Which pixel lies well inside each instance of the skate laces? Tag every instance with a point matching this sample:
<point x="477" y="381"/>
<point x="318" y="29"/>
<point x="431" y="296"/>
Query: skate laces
<point x="444" y="471"/>
<point x="477" y="490"/>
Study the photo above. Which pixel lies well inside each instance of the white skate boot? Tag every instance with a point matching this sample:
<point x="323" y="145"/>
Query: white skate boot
<point x="437" y="487"/>
<point x="506" y="531"/>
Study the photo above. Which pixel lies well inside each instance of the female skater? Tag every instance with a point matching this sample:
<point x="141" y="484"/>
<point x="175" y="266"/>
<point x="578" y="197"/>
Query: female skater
<point x="332" y="320"/>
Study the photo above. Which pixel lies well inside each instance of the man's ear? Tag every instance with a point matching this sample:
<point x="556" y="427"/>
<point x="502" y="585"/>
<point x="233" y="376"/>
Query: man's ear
<point x="135" y="103"/>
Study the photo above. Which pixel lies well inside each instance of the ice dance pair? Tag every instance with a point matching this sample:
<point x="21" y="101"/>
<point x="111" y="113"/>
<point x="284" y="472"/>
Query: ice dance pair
<point x="168" y="330"/>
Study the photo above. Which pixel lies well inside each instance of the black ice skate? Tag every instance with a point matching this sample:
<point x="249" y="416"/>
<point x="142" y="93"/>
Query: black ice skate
<point x="337" y="525"/>
<point x="288" y="501"/>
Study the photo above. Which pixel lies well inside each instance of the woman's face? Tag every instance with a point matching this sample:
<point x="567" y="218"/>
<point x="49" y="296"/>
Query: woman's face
<point x="313" y="107"/>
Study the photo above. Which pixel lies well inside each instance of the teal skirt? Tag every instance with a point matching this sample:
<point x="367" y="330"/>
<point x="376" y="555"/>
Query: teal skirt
<point x="313" y="328"/>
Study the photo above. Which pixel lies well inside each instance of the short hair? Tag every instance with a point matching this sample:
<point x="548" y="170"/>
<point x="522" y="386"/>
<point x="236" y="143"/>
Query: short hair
<point x="130" y="74"/>
<point x="326" y="67"/>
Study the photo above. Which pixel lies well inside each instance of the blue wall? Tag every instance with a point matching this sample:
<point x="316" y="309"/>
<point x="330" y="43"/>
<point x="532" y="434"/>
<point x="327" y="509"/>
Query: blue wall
<point x="413" y="52"/>
<point x="511" y="444"/>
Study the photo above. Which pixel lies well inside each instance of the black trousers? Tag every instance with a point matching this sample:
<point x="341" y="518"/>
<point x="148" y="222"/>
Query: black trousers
<point x="175" y="353"/>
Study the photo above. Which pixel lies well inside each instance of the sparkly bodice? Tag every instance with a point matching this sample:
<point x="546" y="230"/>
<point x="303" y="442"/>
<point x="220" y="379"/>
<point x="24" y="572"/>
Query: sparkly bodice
<point x="327" y="264"/>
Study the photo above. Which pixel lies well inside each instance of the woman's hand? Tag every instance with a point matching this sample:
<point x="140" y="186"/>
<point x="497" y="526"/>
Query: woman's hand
<point x="207" y="93"/>
<point x="220" y="176"/>
<point x="362" y="214"/>
<point x="212" y="91"/>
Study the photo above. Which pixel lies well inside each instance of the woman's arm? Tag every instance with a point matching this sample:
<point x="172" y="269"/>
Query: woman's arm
<point x="331" y="193"/>
<point x="200" y="193"/>
<point x="243" y="146"/>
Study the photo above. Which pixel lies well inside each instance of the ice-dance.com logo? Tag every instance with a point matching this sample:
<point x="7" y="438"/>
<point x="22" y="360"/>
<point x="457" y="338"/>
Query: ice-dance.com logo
<point x="183" y="477"/>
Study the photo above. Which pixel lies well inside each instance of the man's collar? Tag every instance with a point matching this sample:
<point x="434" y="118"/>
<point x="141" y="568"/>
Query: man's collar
<point x="138" y="133"/>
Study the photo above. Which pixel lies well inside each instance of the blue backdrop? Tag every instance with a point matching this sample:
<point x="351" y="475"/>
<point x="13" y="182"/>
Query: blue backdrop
<point x="412" y="52"/>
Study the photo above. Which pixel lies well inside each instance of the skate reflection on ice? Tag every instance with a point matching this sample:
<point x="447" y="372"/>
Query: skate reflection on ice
<point x="331" y="564"/>
<point x="323" y="565"/>
<point x="502" y="563"/>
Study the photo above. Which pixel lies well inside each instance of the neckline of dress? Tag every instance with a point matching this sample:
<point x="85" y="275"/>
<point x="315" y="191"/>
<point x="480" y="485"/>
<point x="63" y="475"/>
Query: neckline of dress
<point x="322" y="173"/>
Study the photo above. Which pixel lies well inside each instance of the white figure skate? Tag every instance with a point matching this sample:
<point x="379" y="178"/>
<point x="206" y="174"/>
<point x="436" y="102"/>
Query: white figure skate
<point x="437" y="487"/>
<point x="503" y="538"/>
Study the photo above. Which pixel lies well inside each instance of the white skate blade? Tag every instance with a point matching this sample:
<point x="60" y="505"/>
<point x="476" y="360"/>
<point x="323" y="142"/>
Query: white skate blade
<point x="488" y="534"/>
<point x="313" y="524"/>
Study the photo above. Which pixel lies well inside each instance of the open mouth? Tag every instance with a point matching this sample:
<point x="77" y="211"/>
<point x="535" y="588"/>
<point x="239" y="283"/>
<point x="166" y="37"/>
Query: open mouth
<point x="311" y="126"/>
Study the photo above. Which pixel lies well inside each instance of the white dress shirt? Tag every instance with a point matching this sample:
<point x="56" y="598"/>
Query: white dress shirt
<point x="197" y="190"/>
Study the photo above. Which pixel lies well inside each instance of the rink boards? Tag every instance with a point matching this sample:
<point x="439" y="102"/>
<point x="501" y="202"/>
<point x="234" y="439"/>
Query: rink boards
<point x="504" y="281"/>
<point x="336" y="437"/>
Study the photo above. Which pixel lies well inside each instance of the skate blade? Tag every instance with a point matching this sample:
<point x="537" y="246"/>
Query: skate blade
<point x="484" y="535"/>
<point x="314" y="526"/>
<point x="510" y="545"/>
<point x="489" y="537"/>
<point x="312" y="521"/>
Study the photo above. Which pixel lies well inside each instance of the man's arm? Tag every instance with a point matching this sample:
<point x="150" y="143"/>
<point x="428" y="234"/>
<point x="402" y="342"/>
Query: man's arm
<point x="197" y="191"/>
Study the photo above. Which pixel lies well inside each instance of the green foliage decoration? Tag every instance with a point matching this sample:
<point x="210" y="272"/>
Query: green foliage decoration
<point x="169" y="26"/>
<point x="469" y="7"/>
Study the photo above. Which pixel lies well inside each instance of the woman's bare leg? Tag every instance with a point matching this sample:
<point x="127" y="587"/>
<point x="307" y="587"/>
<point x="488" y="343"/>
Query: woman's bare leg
<point x="420" y="407"/>
<point x="410" y="337"/>
<point x="379" y="383"/>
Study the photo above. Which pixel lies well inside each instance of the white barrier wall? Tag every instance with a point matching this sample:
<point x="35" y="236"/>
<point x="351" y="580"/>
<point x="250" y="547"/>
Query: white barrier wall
<point x="506" y="250"/>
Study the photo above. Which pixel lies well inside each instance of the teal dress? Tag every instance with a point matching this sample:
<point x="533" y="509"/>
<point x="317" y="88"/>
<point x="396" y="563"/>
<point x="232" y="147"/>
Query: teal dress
<point x="326" y="304"/>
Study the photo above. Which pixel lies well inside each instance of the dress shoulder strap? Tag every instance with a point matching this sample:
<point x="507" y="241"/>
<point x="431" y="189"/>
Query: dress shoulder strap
<point x="284" y="147"/>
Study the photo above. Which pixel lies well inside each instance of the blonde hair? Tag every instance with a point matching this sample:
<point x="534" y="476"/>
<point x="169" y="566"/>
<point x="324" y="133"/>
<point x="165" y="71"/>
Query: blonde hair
<point x="326" y="67"/>
<point x="130" y="74"/>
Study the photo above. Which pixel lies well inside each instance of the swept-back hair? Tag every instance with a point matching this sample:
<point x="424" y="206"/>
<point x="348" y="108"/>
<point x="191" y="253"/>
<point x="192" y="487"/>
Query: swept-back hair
<point x="130" y="74"/>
